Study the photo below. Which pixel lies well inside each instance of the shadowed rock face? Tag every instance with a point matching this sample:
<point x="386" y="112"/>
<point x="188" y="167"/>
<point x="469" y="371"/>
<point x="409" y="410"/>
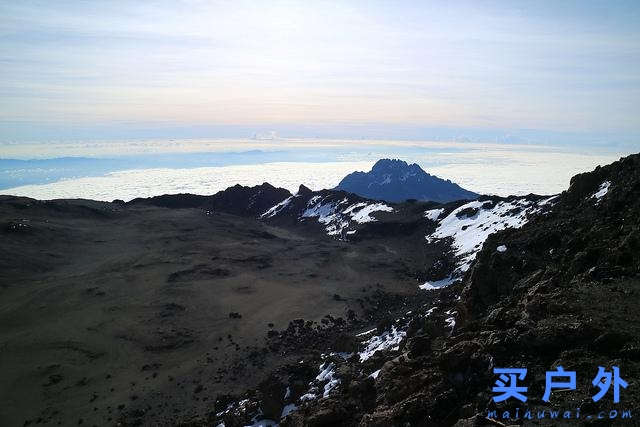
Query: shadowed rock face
<point x="590" y="234"/>
<point x="397" y="181"/>
<point x="237" y="200"/>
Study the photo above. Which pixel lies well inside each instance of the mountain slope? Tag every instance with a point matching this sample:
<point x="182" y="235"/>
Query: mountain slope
<point x="561" y="290"/>
<point x="397" y="181"/>
<point x="150" y="313"/>
<point x="556" y="282"/>
<point x="255" y="304"/>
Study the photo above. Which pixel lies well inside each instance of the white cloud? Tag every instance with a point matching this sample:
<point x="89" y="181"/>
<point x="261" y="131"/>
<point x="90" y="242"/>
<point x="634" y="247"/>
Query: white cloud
<point x="128" y="185"/>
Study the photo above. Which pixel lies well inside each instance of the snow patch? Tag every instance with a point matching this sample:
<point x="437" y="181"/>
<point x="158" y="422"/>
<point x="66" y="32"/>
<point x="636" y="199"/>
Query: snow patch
<point x="365" y="332"/>
<point x="337" y="220"/>
<point x="275" y="210"/>
<point x="364" y="214"/>
<point x="602" y="190"/>
<point x="501" y="248"/>
<point x="389" y="339"/>
<point x="470" y="224"/>
<point x="313" y="200"/>
<point x="326" y="213"/>
<point x="433" y="214"/>
<point x="451" y="320"/>
<point x="430" y="286"/>
<point x="307" y="396"/>
<point x="548" y="200"/>
<point x="327" y="376"/>
<point x="291" y="407"/>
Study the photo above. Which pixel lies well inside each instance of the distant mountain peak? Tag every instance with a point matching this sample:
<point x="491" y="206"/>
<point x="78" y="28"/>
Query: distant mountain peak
<point x="389" y="163"/>
<point x="393" y="164"/>
<point x="395" y="180"/>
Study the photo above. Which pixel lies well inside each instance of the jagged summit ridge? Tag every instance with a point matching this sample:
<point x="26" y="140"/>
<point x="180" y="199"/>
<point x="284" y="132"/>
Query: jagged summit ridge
<point x="395" y="180"/>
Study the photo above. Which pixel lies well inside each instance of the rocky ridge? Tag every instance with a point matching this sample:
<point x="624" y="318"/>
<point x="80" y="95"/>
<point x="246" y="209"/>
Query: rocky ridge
<point x="560" y="288"/>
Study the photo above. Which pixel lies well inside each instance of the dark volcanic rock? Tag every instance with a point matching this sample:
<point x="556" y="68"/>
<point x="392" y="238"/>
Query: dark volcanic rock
<point x="174" y="201"/>
<point x="397" y="181"/>
<point x="237" y="200"/>
<point x="247" y="201"/>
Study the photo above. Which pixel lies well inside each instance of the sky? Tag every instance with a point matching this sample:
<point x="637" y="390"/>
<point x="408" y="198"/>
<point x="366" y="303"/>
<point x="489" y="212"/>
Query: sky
<point x="520" y="71"/>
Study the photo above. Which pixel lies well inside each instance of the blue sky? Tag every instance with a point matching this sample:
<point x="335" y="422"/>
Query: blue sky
<point x="533" y="71"/>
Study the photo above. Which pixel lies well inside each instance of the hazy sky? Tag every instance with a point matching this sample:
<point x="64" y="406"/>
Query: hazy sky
<point x="311" y="68"/>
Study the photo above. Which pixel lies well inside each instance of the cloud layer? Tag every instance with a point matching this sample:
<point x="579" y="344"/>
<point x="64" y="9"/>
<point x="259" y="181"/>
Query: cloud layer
<point x="492" y="170"/>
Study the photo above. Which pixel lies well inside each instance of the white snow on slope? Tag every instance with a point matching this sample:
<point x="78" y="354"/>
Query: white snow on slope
<point x="433" y="214"/>
<point x="365" y="332"/>
<point x="274" y="210"/>
<point x="308" y="396"/>
<point x="337" y="216"/>
<point x="364" y="215"/>
<point x="437" y="284"/>
<point x="327" y="376"/>
<point x="548" y="200"/>
<point x="257" y="421"/>
<point x="451" y="320"/>
<point x="469" y="231"/>
<point x="389" y="339"/>
<point x="602" y="190"/>
<point x="327" y="379"/>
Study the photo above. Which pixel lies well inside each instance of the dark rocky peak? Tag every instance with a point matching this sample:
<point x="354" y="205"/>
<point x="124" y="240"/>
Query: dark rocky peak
<point x="395" y="180"/>
<point x="237" y="200"/>
<point x="390" y="165"/>
<point x="303" y="190"/>
<point x="247" y="201"/>
<point x="397" y="166"/>
<point x="173" y="201"/>
<point x="606" y="186"/>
